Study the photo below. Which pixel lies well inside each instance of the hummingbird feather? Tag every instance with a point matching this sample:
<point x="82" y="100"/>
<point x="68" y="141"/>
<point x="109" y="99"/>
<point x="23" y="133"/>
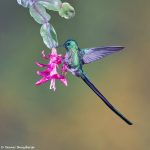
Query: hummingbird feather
<point x="89" y="55"/>
<point x="76" y="57"/>
<point x="97" y="92"/>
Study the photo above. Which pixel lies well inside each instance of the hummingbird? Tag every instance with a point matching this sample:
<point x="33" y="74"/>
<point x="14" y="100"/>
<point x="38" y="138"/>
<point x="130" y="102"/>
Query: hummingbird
<point x="75" y="58"/>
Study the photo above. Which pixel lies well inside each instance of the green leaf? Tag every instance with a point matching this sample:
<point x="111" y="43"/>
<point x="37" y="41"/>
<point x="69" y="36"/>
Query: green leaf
<point x="38" y="12"/>
<point x="51" y="4"/>
<point x="49" y="35"/>
<point x="24" y="3"/>
<point x="53" y="33"/>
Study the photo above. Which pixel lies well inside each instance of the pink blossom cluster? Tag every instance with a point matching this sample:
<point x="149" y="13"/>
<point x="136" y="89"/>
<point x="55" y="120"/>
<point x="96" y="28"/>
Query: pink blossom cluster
<point x="50" y="70"/>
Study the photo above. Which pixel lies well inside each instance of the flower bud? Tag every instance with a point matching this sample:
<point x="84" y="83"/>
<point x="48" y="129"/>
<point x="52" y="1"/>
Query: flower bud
<point x="66" y="11"/>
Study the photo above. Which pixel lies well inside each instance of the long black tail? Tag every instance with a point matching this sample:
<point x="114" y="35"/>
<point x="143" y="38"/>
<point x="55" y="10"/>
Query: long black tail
<point x="88" y="82"/>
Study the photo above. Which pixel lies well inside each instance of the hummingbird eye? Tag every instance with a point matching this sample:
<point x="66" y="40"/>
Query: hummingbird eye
<point x="68" y="44"/>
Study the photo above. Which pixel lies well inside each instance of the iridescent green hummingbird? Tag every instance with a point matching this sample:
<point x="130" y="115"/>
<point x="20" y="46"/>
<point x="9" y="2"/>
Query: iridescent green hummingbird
<point x="75" y="58"/>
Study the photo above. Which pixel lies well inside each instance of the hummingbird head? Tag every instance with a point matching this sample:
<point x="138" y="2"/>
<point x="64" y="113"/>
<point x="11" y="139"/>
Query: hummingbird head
<point x="70" y="45"/>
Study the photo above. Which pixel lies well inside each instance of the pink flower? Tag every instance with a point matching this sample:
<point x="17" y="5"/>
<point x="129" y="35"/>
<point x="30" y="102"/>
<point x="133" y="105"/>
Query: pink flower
<point x="50" y="72"/>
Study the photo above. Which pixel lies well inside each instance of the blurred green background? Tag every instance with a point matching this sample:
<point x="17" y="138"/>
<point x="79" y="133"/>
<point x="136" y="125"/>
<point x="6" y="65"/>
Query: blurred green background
<point x="73" y="118"/>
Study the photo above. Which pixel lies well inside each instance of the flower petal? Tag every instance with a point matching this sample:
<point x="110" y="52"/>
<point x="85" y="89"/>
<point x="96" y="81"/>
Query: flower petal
<point x="40" y="65"/>
<point x="50" y="72"/>
<point x="52" y="85"/>
<point x="44" y="56"/>
<point x="44" y="73"/>
<point x="64" y="68"/>
<point x="41" y="81"/>
<point x="64" y="81"/>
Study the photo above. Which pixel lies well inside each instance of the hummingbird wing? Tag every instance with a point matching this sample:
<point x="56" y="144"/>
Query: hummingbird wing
<point x="89" y="55"/>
